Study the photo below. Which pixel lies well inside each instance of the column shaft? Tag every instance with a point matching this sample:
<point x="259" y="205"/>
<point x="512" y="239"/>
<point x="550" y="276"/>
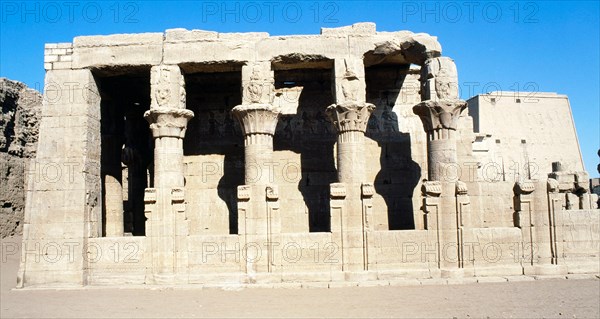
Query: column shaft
<point x="168" y="162"/>
<point x="441" y="153"/>
<point x="258" y="153"/>
<point x="351" y="157"/>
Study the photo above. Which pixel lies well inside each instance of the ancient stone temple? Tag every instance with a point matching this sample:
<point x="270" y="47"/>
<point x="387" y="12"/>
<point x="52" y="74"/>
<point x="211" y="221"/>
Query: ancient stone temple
<point x="197" y="157"/>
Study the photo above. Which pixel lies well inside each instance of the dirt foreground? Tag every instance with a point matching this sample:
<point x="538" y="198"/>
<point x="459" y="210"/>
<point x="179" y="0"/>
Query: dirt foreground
<point x="548" y="298"/>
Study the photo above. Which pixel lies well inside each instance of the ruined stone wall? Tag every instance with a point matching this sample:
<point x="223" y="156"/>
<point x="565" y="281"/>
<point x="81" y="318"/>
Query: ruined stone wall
<point x="19" y="133"/>
<point x="345" y="156"/>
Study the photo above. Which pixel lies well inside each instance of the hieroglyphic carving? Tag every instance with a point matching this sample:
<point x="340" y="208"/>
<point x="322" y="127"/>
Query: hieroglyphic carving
<point x="259" y="85"/>
<point x="350" y="86"/>
<point x="168" y="87"/>
<point x="439" y="80"/>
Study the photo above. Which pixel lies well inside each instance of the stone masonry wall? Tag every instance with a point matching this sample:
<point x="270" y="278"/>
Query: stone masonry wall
<point x="18" y="139"/>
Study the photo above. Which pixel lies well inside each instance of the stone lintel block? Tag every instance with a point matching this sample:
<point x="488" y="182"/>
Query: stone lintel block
<point x="219" y="51"/>
<point x="244" y="36"/>
<point x="118" y="40"/>
<point x="184" y="35"/>
<point x="135" y="54"/>
<point x="301" y="49"/>
<point x="361" y="28"/>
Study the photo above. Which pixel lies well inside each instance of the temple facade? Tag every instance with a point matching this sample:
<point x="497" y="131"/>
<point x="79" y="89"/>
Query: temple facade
<point x="197" y="157"/>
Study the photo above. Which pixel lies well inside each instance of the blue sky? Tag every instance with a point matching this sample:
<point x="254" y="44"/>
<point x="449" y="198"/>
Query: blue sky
<point x="542" y="46"/>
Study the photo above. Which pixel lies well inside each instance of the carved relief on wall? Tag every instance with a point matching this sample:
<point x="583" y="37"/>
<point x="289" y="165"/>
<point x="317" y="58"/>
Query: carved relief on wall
<point x="439" y="80"/>
<point x="259" y="88"/>
<point x="168" y="87"/>
<point x="350" y="86"/>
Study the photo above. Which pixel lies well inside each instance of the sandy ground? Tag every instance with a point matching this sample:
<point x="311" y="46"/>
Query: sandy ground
<point x="533" y="299"/>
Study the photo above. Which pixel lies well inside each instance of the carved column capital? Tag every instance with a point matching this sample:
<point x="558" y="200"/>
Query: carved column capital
<point x="168" y="122"/>
<point x="257" y="118"/>
<point x="350" y="116"/>
<point x="440" y="117"/>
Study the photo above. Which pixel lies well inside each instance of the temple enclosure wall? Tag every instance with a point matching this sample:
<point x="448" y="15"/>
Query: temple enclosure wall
<point x="197" y="157"/>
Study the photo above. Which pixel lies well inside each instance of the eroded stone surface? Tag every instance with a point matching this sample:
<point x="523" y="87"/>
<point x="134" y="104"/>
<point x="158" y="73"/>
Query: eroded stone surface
<point x="19" y="123"/>
<point x="291" y="160"/>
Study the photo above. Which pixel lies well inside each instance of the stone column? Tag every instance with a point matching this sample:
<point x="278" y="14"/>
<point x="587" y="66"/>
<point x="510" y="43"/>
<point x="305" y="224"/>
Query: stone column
<point x="439" y="111"/>
<point x="258" y="122"/>
<point x="168" y="120"/>
<point x="259" y="221"/>
<point x="350" y="115"/>
<point x="350" y="119"/>
<point x="440" y="119"/>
